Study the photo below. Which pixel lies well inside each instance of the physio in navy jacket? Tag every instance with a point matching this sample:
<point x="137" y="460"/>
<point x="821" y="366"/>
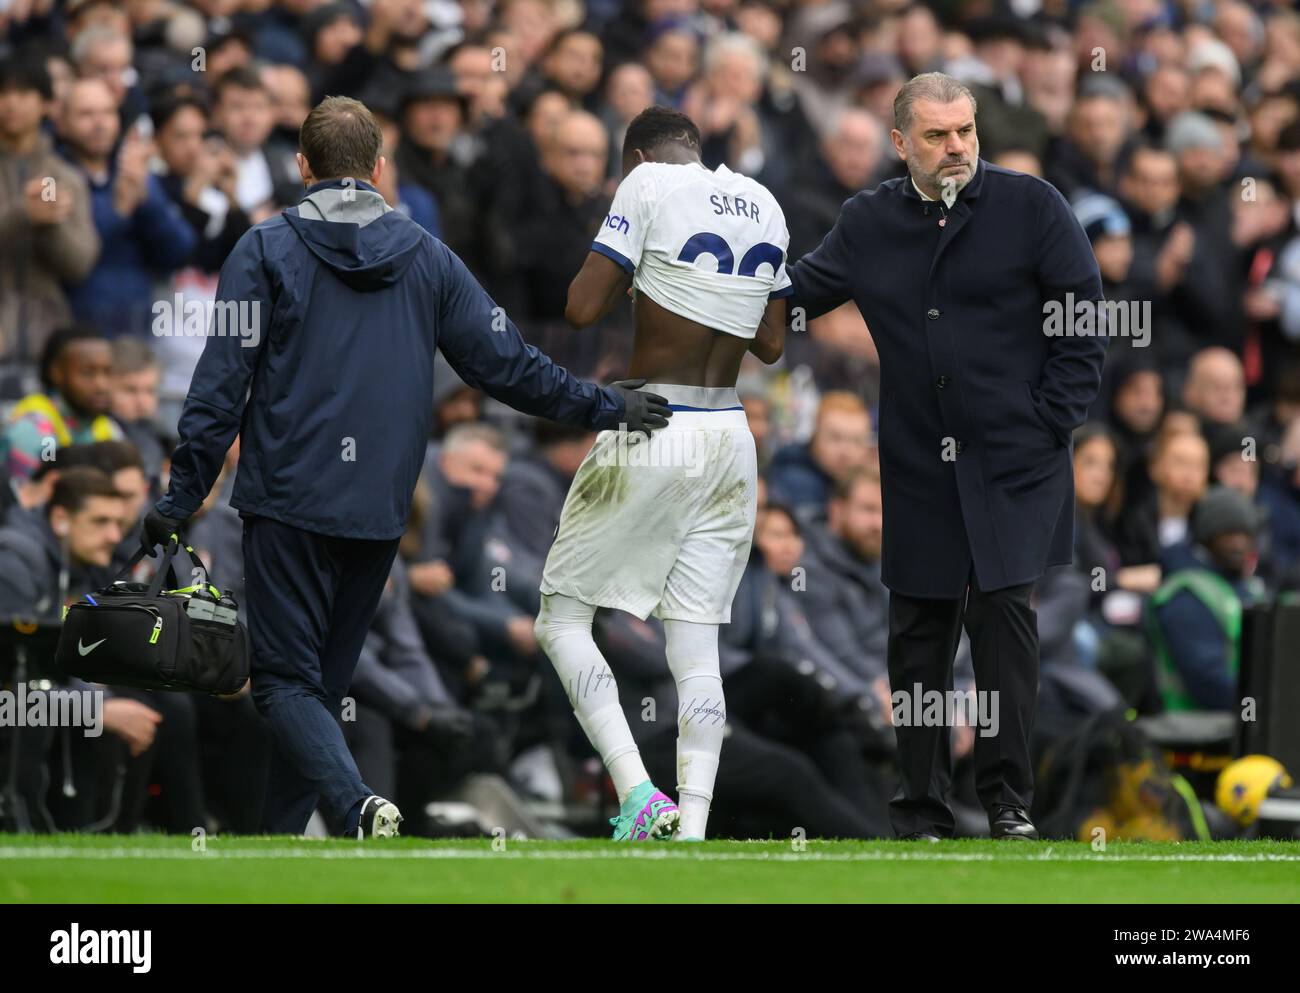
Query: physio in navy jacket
<point x="965" y="273"/>
<point x="320" y="357"/>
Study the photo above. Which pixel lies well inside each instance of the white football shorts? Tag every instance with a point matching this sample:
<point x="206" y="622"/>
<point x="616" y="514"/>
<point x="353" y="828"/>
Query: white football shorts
<point x="662" y="525"/>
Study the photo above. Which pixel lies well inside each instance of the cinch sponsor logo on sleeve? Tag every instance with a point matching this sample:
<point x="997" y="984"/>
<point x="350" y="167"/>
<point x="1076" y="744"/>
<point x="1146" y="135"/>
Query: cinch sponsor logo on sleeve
<point x="78" y="947"/>
<point x="618" y="223"/>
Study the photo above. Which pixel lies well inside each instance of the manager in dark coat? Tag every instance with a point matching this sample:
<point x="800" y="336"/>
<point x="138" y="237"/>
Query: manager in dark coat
<point x="956" y="269"/>
<point x="320" y="356"/>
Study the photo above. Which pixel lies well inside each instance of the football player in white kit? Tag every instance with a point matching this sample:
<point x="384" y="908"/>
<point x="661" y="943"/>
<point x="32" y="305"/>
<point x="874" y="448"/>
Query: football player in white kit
<point x="663" y="525"/>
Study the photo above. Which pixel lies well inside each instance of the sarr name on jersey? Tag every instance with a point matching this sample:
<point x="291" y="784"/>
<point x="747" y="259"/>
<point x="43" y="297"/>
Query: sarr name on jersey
<point x="722" y="204"/>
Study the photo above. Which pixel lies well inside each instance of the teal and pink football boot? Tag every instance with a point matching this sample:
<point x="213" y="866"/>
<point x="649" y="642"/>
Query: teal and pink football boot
<point x="646" y="815"/>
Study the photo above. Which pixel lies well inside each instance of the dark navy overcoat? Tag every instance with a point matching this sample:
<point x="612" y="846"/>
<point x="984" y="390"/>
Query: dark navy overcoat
<point x="980" y="389"/>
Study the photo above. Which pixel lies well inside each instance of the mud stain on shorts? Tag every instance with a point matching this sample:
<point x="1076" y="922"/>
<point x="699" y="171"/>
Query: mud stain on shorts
<point x="730" y="498"/>
<point x="600" y="488"/>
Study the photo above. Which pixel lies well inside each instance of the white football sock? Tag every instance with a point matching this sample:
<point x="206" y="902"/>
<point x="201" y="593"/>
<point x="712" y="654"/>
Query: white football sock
<point x="701" y="719"/>
<point x="564" y="631"/>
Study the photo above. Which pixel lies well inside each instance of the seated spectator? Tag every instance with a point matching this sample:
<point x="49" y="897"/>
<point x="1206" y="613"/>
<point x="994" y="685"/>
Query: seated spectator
<point x="136" y="378"/>
<point x="543" y="113"/>
<point x="73" y="407"/>
<point x="1019" y="160"/>
<point x="837" y="714"/>
<point x="1208" y="298"/>
<point x="48" y="238"/>
<point x="1215" y="390"/>
<point x="802" y="475"/>
<point x="201" y="178"/>
<point x="848" y="160"/>
<point x="527" y="510"/>
<point x="1134" y="388"/>
<point x="1163" y="244"/>
<point x="1166" y="94"/>
<point x="1279" y="495"/>
<point x="266" y="172"/>
<point x="332" y="31"/>
<point x="1091" y="154"/>
<point x="433" y="155"/>
<point x="372" y="61"/>
<point x="723" y="102"/>
<point x="72" y="536"/>
<point x="454" y="401"/>
<point x="1234" y="457"/>
<point x="1270" y="419"/>
<point x="1108" y="229"/>
<point x="628" y="91"/>
<point x="106" y="52"/>
<point x="1109" y="637"/>
<point x="557" y="235"/>
<point x="400" y="193"/>
<point x="77" y="530"/>
<point x="779" y="585"/>
<point x="466" y="625"/>
<point x="424" y="745"/>
<point x="1180" y="471"/>
<point x="672" y="55"/>
<point x="920" y="39"/>
<point x="120" y="461"/>
<point x="845" y="600"/>
<point x="758" y="415"/>
<point x="572" y="65"/>
<point x="291" y="102"/>
<point x="995" y="72"/>
<point x="1194" y="618"/>
<point x="142" y="234"/>
<point x="36" y="491"/>
<point x="1098" y="492"/>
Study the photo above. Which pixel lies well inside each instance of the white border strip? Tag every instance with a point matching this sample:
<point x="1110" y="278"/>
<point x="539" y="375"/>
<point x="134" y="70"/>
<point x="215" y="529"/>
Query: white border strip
<point x="371" y="851"/>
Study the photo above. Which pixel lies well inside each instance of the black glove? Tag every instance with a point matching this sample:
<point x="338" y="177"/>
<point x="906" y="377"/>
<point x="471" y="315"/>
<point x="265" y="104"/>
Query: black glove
<point x="645" y="411"/>
<point x="158" y="530"/>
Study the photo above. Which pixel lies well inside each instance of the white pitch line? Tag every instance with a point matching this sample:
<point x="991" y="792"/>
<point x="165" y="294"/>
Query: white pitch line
<point x="52" y="853"/>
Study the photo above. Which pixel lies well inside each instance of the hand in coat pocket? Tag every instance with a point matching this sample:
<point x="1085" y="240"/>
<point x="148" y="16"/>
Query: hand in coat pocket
<point x="1041" y="410"/>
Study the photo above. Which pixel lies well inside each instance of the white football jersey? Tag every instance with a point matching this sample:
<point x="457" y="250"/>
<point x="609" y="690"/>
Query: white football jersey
<point x="709" y="246"/>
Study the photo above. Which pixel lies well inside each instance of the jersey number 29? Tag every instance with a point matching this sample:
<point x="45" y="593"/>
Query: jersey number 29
<point x="707" y="243"/>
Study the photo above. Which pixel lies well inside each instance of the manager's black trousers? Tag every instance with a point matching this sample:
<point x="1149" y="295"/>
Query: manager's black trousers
<point x="923" y="638"/>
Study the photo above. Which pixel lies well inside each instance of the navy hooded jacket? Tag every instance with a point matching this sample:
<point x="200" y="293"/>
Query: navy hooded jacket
<point x="320" y="355"/>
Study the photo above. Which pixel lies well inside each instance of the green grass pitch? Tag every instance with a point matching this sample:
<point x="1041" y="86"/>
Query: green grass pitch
<point x="153" y="868"/>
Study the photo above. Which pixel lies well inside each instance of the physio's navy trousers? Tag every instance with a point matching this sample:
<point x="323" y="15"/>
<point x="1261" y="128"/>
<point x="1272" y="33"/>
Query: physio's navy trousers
<point x="309" y="600"/>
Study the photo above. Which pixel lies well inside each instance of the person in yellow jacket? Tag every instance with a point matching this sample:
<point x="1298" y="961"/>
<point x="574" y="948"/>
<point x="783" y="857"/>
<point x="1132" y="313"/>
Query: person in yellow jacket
<point x="76" y="371"/>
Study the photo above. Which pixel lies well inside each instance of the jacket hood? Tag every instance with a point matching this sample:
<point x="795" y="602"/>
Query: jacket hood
<point x="356" y="234"/>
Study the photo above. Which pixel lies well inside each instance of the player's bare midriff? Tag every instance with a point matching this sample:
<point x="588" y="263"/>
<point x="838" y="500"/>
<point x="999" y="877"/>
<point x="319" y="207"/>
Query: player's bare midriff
<point x="669" y="348"/>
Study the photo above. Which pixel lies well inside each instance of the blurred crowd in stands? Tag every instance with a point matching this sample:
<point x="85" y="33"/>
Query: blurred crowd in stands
<point x="140" y="139"/>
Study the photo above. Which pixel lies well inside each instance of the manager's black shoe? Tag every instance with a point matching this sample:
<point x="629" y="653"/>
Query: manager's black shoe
<point x="379" y="819"/>
<point x="921" y="836"/>
<point x="1006" y="821"/>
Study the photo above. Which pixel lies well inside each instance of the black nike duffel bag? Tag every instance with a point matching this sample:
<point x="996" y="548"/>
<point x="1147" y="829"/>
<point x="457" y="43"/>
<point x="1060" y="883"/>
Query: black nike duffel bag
<point x="136" y="634"/>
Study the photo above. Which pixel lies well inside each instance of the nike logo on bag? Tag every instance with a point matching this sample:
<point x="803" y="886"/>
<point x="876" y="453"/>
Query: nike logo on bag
<point x="87" y="649"/>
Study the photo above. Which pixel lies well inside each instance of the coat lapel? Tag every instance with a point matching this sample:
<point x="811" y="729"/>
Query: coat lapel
<point x="958" y="215"/>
